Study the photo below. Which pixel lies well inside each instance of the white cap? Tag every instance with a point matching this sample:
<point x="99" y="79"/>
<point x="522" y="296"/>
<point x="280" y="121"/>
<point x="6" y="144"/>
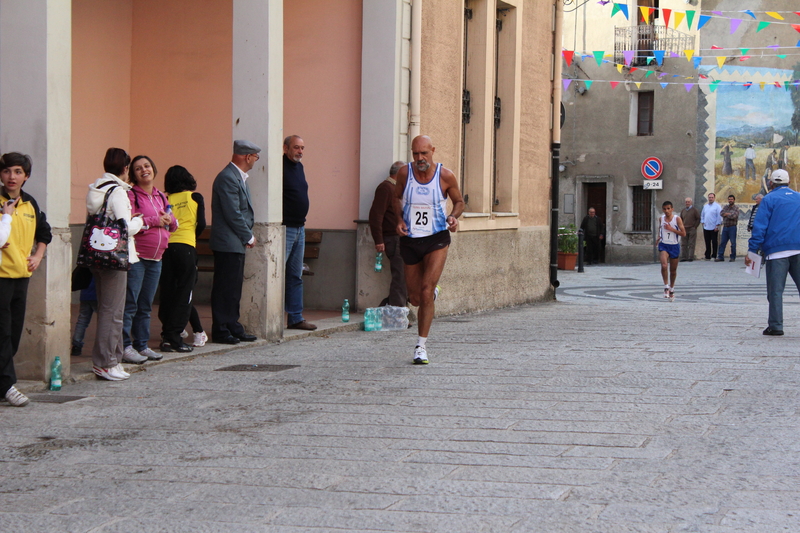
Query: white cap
<point x="780" y="177"/>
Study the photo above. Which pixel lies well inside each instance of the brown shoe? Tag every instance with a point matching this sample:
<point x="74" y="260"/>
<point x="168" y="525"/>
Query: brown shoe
<point x="308" y="326"/>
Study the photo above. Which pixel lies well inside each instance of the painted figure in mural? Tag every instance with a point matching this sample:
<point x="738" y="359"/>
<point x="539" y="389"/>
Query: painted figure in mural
<point x="783" y="157"/>
<point x="422" y="190"/>
<point x="730" y="219"/>
<point x="776" y="235"/>
<point x="749" y="164"/>
<point x="711" y="220"/>
<point x="727" y="167"/>
<point x="670" y="231"/>
<point x="594" y="230"/>
<point x="772" y="160"/>
<point x="691" y="220"/>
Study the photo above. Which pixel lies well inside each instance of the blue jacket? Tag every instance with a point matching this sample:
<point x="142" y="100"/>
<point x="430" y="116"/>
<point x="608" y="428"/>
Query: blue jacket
<point x="777" y="224"/>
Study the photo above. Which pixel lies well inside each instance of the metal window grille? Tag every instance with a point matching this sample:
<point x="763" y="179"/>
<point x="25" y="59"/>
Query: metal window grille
<point x="642" y="205"/>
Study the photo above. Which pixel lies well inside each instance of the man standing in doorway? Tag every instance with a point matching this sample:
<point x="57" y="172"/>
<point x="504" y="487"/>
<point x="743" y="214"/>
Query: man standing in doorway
<point x="691" y="220"/>
<point x="711" y="219"/>
<point x="422" y="191"/>
<point x="776" y="234"/>
<point x="594" y="231"/>
<point x="295" y="209"/>
<point x="383" y="220"/>
<point x="231" y="234"/>
<point x="730" y="219"/>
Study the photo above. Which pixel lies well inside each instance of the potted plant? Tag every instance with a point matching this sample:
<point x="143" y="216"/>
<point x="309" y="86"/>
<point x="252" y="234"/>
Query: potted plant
<point x="567" y="247"/>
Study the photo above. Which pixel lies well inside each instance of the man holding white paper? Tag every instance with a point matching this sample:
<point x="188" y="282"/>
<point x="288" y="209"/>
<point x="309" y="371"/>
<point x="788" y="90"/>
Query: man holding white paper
<point x="776" y="234"/>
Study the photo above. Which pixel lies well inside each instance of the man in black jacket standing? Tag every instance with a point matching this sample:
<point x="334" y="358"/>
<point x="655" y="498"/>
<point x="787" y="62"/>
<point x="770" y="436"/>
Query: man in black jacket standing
<point x="594" y="232"/>
<point x="295" y="209"/>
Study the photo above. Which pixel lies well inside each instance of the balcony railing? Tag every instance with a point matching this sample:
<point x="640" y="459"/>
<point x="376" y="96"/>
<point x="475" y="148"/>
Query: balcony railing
<point x="644" y="39"/>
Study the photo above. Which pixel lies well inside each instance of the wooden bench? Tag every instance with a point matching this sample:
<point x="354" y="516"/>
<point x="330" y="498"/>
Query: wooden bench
<point x="205" y="257"/>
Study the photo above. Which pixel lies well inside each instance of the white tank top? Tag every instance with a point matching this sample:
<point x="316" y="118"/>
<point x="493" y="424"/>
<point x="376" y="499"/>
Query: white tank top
<point x="667" y="237"/>
<point x="424" y="205"/>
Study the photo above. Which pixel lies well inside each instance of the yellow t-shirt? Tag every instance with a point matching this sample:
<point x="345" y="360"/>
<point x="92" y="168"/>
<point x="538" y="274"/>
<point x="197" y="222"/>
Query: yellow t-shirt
<point x="185" y="210"/>
<point x="20" y="240"/>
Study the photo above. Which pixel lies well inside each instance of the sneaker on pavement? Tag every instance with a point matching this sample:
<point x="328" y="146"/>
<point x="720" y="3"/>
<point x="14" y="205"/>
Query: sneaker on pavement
<point x="200" y="339"/>
<point x="16" y="398"/>
<point x="121" y="370"/>
<point x="185" y="334"/>
<point x="130" y="355"/>
<point x="76" y="350"/>
<point x="773" y="332"/>
<point x="111" y="374"/>
<point x="420" y="356"/>
<point x="150" y="354"/>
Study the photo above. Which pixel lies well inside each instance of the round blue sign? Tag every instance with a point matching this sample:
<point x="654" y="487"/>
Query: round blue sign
<point x="652" y="168"/>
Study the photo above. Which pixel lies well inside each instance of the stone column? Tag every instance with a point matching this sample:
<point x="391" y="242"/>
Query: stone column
<point x="35" y="118"/>
<point x="258" y="117"/>
<point x="386" y="37"/>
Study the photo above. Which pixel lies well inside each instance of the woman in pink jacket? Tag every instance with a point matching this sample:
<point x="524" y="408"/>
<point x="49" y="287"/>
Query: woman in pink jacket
<point x="151" y="242"/>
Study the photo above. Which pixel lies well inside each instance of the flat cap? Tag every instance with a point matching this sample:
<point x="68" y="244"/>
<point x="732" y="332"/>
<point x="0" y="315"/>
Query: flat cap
<point x="243" y="147"/>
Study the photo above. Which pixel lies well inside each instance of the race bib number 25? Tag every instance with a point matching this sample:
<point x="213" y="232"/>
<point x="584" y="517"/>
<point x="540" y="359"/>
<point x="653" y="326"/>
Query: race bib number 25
<point x="421" y="219"/>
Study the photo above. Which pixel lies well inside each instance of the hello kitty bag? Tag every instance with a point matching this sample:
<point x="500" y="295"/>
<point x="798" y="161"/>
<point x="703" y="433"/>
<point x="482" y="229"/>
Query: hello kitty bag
<point x="104" y="244"/>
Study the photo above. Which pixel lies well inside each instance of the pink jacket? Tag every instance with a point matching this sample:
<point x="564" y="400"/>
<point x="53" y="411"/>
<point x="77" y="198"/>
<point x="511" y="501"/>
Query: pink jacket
<point x="153" y="239"/>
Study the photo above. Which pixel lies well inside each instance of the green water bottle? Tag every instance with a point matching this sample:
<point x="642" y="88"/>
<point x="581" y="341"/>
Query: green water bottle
<point x="378" y="261"/>
<point x="346" y="311"/>
<point x="55" y="374"/>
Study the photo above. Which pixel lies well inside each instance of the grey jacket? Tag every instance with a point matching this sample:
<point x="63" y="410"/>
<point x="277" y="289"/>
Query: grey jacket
<point x="231" y="211"/>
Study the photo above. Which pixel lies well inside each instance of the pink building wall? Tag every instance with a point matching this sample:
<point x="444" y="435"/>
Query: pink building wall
<point x="322" y="103"/>
<point x="152" y="77"/>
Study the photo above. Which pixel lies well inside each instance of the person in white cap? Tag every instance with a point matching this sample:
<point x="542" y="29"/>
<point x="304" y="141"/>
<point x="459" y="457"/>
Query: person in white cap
<point x="776" y="236"/>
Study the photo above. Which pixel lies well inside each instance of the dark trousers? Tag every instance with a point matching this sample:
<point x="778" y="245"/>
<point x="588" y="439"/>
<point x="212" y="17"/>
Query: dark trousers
<point x="688" y="244"/>
<point x="226" y="293"/>
<point x="710" y="236"/>
<point x="398" y="294"/>
<point x="592" y="249"/>
<point x="13" y="296"/>
<point x="178" y="274"/>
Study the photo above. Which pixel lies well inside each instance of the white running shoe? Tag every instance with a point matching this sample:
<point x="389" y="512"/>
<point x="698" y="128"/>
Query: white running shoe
<point x="122" y="371"/>
<point x="420" y="356"/>
<point x="130" y="355"/>
<point x="184" y="334"/>
<point x="16" y="398"/>
<point x="200" y="339"/>
<point x="111" y="374"/>
<point x="150" y="354"/>
<point x="436" y="292"/>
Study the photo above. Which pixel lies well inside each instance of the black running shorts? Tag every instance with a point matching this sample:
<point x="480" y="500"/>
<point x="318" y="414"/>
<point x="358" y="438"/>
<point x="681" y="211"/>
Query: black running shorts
<point x="413" y="250"/>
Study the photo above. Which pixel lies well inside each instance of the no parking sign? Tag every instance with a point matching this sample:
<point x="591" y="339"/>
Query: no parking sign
<point x="652" y="168"/>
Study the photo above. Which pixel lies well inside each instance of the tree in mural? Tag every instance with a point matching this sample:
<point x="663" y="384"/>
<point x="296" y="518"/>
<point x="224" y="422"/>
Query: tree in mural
<point x="796" y="102"/>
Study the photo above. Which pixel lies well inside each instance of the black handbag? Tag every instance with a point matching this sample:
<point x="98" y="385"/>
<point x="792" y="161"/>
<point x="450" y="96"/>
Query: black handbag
<point x="104" y="244"/>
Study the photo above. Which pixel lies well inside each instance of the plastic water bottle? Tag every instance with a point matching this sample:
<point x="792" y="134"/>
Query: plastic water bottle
<point x="378" y="261"/>
<point x="55" y="374"/>
<point x="346" y="311"/>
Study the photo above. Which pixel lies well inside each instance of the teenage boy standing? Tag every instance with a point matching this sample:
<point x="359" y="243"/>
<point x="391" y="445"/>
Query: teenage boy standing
<point x="29" y="237"/>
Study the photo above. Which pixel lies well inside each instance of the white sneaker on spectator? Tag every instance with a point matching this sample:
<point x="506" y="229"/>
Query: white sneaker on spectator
<point x="184" y="334"/>
<point x="16" y="398"/>
<point x="130" y="355"/>
<point x="111" y="374"/>
<point x="150" y="354"/>
<point x="122" y="371"/>
<point x="200" y="339"/>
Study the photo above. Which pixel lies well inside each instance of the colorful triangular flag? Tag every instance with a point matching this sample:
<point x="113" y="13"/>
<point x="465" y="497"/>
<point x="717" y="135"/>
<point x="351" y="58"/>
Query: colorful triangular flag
<point x="645" y="11"/>
<point x="761" y="25"/>
<point x="689" y="18"/>
<point x="774" y="14"/>
<point x="714" y="85"/>
<point x="568" y="55"/>
<point x="796" y="27"/>
<point x="689" y="54"/>
<point x="747" y="85"/>
<point x="659" y="55"/>
<point x="749" y="13"/>
<point x="735" y="25"/>
<point x="664" y="85"/>
<point x="638" y="85"/>
<point x="628" y="55"/>
<point x="702" y="21"/>
<point x="588" y="83"/>
<point x="598" y="56"/>
<point x="744" y="51"/>
<point x="762" y="84"/>
<point x="620" y="67"/>
<point x="566" y="83"/>
<point x="678" y="18"/>
<point x="688" y="86"/>
<point x="666" y="13"/>
<point x="614" y="84"/>
<point x="721" y="60"/>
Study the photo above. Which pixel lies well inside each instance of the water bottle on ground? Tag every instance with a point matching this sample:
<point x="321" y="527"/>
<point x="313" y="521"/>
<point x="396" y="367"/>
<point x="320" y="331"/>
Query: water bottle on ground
<point x="346" y="311"/>
<point x="55" y="374"/>
<point x="378" y="261"/>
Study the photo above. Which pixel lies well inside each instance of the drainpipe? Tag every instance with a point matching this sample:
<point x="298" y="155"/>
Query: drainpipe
<point x="555" y="147"/>
<point x="416" y="76"/>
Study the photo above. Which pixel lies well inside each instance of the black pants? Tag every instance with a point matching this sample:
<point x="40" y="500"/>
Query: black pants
<point x="226" y="293"/>
<point x="13" y="297"/>
<point x="711" y="237"/>
<point x="178" y="275"/>
<point x="398" y="293"/>
<point x="592" y="249"/>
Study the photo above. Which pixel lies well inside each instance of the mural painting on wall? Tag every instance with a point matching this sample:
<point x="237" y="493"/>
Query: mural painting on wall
<point x="757" y="132"/>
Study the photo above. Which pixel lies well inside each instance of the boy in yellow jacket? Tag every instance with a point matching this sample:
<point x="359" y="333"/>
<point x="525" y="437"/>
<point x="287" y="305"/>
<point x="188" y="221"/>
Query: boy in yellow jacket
<point x="30" y="234"/>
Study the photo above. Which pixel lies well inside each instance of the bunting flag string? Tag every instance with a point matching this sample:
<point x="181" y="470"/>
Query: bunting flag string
<point x="713" y="85"/>
<point x="650" y="13"/>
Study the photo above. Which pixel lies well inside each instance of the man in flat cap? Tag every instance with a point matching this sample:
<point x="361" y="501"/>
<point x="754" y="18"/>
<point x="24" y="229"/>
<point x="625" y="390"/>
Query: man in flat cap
<point x="295" y="209"/>
<point x="231" y="234"/>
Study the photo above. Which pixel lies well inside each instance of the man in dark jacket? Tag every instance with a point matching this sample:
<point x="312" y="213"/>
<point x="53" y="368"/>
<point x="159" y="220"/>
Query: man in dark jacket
<point x="231" y="234"/>
<point x="691" y="221"/>
<point x="594" y="231"/>
<point x="383" y="222"/>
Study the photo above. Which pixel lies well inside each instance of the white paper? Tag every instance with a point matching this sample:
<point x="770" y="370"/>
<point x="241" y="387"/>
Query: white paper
<point x="755" y="264"/>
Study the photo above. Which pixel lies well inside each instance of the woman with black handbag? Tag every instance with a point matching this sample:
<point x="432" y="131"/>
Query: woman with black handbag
<point x="111" y="191"/>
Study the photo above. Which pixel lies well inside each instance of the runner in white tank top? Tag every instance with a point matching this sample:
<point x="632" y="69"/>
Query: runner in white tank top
<point x="421" y="194"/>
<point x="670" y="231"/>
